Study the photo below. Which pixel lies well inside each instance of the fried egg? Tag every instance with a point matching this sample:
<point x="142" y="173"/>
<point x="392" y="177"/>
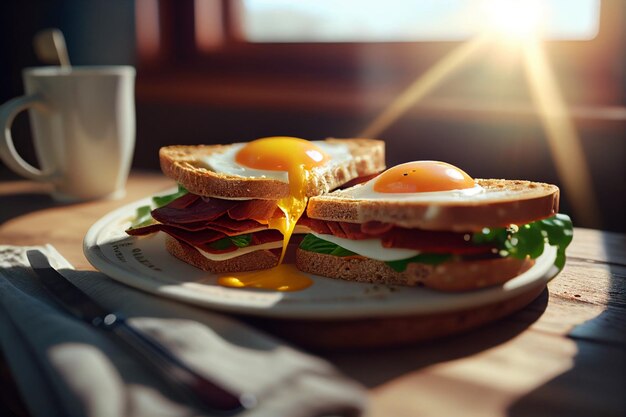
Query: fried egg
<point x="419" y="181"/>
<point x="265" y="158"/>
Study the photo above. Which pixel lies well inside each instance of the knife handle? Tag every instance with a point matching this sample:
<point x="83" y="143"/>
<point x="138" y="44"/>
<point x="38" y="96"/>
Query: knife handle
<point x="178" y="374"/>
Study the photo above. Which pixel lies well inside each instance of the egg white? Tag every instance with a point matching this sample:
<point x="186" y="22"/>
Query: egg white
<point x="476" y="194"/>
<point x="370" y="248"/>
<point x="225" y="162"/>
<point x="366" y="191"/>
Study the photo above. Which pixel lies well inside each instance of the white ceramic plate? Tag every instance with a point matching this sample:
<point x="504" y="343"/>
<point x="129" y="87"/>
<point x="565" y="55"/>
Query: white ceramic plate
<point x="145" y="264"/>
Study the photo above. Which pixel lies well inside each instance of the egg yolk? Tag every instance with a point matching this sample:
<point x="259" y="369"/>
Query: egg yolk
<point x="281" y="153"/>
<point x="422" y="176"/>
<point x="297" y="157"/>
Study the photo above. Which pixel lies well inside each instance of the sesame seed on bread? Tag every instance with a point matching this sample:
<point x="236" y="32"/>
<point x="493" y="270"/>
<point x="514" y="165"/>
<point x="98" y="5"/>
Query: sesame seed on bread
<point x="185" y="165"/>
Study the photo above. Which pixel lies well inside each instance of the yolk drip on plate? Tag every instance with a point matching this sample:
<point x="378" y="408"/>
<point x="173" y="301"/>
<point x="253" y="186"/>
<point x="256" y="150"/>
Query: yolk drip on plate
<point x="422" y="176"/>
<point x="297" y="157"/>
<point x="284" y="277"/>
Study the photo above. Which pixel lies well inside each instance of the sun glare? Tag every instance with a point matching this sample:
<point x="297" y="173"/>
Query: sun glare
<point x="563" y="140"/>
<point x="515" y="19"/>
<point x="521" y="22"/>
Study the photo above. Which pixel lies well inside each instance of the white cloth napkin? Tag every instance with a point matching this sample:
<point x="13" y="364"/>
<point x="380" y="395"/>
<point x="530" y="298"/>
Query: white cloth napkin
<point x="65" y="367"/>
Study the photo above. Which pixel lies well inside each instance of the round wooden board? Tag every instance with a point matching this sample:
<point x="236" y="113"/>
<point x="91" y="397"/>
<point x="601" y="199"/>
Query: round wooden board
<point x="379" y="332"/>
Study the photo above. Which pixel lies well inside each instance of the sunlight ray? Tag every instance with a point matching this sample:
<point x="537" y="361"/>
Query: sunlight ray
<point x="423" y="85"/>
<point x="563" y="140"/>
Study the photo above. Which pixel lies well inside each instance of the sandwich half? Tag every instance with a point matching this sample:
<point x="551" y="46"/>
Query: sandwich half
<point x="238" y="205"/>
<point x="428" y="223"/>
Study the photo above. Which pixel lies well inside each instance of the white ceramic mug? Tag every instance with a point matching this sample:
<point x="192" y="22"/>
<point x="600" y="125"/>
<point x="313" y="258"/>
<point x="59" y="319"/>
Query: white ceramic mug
<point x="83" y="124"/>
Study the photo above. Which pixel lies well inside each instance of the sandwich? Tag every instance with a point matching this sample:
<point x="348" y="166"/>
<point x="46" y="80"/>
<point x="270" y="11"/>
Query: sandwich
<point x="428" y="223"/>
<point x="238" y="205"/>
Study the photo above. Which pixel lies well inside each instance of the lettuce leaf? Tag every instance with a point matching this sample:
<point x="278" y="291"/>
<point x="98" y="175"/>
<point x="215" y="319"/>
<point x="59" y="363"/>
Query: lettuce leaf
<point x="162" y="200"/>
<point x="312" y="243"/>
<point x="529" y="239"/>
<point x="240" y="241"/>
<point x="143" y="217"/>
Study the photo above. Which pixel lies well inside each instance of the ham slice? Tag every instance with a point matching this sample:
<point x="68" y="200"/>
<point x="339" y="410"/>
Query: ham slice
<point x="257" y="238"/>
<point x="184" y="201"/>
<point x="201" y="209"/>
<point x="260" y="210"/>
<point x="200" y="221"/>
<point x="431" y="241"/>
<point x="398" y="237"/>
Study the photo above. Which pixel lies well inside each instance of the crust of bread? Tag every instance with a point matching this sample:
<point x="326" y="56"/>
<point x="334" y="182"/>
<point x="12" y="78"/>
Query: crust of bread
<point x="252" y="261"/>
<point x="184" y="164"/>
<point x="451" y="276"/>
<point x="523" y="202"/>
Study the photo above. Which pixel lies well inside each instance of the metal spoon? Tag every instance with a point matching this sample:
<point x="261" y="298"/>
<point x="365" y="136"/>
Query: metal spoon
<point x="50" y="47"/>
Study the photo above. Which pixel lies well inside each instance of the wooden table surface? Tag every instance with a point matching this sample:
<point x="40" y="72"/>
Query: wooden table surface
<point x="563" y="355"/>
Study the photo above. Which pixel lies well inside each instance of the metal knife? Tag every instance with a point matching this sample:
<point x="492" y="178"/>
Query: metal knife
<point x="201" y="391"/>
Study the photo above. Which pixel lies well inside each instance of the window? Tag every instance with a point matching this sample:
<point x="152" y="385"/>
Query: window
<point x="407" y="20"/>
<point x="375" y="45"/>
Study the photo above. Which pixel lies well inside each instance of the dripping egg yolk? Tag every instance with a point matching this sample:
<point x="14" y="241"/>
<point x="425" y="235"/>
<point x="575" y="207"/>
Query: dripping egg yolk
<point x="422" y="176"/>
<point x="297" y="157"/>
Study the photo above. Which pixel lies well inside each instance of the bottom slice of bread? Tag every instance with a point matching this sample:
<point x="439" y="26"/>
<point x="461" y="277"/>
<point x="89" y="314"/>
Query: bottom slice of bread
<point x="252" y="261"/>
<point x="458" y="275"/>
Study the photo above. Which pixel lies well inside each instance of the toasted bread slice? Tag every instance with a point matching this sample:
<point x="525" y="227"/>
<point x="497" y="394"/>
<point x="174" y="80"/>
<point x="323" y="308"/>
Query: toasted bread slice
<point x="456" y="275"/>
<point x="260" y="259"/>
<point x="501" y="203"/>
<point x="184" y="164"/>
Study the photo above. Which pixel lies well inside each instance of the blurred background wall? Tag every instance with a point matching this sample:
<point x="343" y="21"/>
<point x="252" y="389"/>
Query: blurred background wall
<point x="202" y="80"/>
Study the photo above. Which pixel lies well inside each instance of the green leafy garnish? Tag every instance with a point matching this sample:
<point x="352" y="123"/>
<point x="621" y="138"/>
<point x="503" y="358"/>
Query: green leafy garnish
<point x="162" y="200"/>
<point x="143" y="217"/>
<point x="240" y="241"/>
<point x="559" y="231"/>
<point x="529" y="239"/>
<point x="487" y="235"/>
<point x="312" y="243"/>
<point x="221" y="244"/>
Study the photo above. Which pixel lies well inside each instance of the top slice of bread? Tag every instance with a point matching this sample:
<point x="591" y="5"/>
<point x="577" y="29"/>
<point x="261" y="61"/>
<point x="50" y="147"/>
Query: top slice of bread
<point x="184" y="164"/>
<point x="501" y="203"/>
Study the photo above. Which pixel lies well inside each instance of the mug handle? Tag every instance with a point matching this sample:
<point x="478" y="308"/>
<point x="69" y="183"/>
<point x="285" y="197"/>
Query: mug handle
<point x="8" y="153"/>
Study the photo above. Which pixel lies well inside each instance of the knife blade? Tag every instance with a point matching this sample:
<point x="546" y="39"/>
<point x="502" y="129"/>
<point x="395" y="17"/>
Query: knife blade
<point x="197" y="388"/>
